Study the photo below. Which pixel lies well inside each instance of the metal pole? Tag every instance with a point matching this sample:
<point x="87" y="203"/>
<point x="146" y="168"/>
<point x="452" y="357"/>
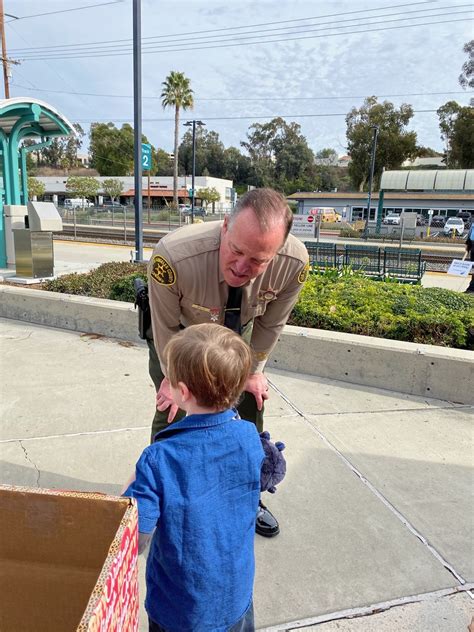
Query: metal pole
<point x="194" y="171"/>
<point x="137" y="120"/>
<point x="4" y="53"/>
<point x="149" y="199"/>
<point x="371" y="177"/>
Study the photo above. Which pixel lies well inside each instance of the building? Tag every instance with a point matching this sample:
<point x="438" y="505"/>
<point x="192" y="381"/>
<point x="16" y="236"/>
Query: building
<point x="431" y="162"/>
<point x="161" y="189"/>
<point x="446" y="191"/>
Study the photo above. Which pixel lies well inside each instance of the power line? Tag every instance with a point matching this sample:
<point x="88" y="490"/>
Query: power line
<point x="218" y="46"/>
<point x="37" y="15"/>
<point x="234" y="28"/>
<point x="232" y="118"/>
<point x="270" y="98"/>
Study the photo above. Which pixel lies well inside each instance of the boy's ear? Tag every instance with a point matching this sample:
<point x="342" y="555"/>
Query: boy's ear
<point x="184" y="391"/>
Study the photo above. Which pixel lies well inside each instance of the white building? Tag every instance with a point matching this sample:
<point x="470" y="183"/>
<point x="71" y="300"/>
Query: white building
<point x="161" y="189"/>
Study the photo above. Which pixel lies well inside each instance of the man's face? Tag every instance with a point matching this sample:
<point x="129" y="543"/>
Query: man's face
<point x="246" y="250"/>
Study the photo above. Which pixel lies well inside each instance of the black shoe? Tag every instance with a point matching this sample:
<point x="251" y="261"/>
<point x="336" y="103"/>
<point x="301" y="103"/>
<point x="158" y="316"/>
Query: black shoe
<point x="266" y="523"/>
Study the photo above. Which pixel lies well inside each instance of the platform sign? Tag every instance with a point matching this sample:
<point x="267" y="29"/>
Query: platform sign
<point x="460" y="267"/>
<point x="146" y="157"/>
<point x="303" y="226"/>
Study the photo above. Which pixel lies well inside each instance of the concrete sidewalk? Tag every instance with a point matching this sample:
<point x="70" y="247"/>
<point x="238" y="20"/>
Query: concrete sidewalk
<point x="375" y="512"/>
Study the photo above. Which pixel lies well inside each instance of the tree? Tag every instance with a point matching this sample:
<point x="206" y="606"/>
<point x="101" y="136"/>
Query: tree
<point x="280" y="155"/>
<point x="238" y="167"/>
<point x="210" y="153"/>
<point x="62" y="152"/>
<point x="163" y="163"/>
<point x="209" y="195"/>
<point x="456" y="124"/>
<point x="35" y="188"/>
<point x="327" y="157"/>
<point x="395" y="143"/>
<point x="111" y="149"/>
<point x="427" y="152"/>
<point x="466" y="78"/>
<point x="112" y="187"/>
<point x="82" y="186"/>
<point x="176" y="93"/>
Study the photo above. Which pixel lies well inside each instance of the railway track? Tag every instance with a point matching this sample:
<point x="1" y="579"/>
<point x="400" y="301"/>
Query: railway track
<point x="438" y="261"/>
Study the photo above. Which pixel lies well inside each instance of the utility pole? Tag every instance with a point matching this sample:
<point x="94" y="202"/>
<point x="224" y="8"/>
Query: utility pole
<point x="5" y="60"/>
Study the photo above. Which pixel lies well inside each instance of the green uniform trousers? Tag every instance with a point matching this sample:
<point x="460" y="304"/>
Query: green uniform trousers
<point x="247" y="407"/>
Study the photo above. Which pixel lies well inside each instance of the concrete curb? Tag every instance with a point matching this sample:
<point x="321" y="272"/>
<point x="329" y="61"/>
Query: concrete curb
<point x="405" y="367"/>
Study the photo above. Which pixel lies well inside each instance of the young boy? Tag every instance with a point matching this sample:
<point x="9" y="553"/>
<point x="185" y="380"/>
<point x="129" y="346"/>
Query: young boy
<point x="198" y="484"/>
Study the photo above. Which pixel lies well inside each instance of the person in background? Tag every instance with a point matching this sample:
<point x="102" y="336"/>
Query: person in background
<point x="198" y="485"/>
<point x="244" y="273"/>
<point x="470" y="253"/>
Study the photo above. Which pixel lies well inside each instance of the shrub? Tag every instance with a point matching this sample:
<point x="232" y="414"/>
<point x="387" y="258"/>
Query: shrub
<point x="98" y="282"/>
<point x="124" y="289"/>
<point x="355" y="304"/>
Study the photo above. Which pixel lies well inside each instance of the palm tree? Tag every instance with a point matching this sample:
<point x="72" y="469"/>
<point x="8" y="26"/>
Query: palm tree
<point x="176" y="93"/>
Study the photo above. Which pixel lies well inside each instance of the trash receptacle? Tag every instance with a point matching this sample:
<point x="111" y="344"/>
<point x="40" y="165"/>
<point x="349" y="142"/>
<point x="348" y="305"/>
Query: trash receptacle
<point x="34" y="254"/>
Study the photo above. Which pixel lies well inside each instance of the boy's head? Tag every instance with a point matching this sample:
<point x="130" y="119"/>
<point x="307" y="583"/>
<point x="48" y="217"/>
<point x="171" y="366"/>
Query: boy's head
<point x="212" y="361"/>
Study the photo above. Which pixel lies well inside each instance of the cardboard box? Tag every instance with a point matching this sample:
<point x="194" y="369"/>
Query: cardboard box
<point x="68" y="561"/>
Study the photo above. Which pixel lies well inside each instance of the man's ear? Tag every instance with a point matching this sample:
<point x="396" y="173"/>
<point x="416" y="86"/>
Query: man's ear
<point x="225" y="226"/>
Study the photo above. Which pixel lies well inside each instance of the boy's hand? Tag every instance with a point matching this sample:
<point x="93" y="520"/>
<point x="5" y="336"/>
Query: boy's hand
<point x="257" y="384"/>
<point x="164" y="400"/>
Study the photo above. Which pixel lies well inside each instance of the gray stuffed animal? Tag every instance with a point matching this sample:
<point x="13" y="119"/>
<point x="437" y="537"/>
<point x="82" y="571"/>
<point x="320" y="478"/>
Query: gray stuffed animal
<point x="274" y="465"/>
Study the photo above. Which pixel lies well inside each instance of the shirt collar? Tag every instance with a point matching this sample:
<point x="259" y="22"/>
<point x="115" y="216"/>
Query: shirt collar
<point x="203" y="421"/>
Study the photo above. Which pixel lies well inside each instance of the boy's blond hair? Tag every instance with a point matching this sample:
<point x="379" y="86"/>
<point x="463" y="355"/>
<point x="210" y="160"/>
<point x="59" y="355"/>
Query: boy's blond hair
<point x="213" y="362"/>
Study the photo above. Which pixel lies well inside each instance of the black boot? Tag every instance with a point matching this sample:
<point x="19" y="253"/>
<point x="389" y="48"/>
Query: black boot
<point x="266" y="523"/>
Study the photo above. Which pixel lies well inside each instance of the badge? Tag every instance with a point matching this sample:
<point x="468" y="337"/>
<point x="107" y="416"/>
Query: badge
<point x="215" y="313"/>
<point x="303" y="275"/>
<point x="267" y="295"/>
<point x="162" y="271"/>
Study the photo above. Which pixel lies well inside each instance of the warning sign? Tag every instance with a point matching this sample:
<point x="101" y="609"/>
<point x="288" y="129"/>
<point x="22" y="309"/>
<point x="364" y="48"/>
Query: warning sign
<point x="303" y="226"/>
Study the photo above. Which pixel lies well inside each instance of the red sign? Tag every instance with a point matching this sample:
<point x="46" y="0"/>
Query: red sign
<point x="310" y="218"/>
<point x="314" y="211"/>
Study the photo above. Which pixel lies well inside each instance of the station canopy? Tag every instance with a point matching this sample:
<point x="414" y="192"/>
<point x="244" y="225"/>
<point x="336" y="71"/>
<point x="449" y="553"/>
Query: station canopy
<point x="45" y="120"/>
<point x="459" y="180"/>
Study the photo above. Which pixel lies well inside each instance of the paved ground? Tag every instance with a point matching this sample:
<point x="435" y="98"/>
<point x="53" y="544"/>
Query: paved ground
<point x="376" y="510"/>
<point x="73" y="256"/>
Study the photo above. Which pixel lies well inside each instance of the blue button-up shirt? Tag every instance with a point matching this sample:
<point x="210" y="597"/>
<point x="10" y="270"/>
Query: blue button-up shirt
<point x="199" y="485"/>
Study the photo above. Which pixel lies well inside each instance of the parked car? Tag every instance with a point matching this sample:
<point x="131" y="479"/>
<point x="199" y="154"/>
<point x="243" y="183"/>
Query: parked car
<point x="438" y="221"/>
<point x="466" y="218"/>
<point x="392" y="218"/>
<point x="198" y="211"/>
<point x="112" y="205"/>
<point x="77" y="203"/>
<point x="454" y="224"/>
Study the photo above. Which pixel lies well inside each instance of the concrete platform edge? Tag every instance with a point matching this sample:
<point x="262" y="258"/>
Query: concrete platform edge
<point x="417" y="369"/>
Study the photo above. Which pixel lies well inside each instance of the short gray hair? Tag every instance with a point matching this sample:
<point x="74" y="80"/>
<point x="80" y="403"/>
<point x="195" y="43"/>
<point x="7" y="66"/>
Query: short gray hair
<point x="269" y="206"/>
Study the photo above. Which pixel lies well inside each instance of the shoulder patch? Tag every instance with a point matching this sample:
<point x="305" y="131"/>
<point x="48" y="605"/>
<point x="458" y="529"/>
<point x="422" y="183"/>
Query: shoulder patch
<point x="303" y="275"/>
<point x="162" y="271"/>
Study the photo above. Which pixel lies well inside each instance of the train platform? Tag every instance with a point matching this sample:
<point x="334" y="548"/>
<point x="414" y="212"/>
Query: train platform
<point x="78" y="256"/>
<point x="375" y="511"/>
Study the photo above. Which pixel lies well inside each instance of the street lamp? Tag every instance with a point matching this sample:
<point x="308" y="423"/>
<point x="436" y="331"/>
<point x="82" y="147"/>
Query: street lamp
<point x="193" y="124"/>
<point x="371" y="177"/>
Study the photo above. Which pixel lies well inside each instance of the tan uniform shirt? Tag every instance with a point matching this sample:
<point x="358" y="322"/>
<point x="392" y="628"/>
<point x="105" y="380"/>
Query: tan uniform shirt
<point x="186" y="287"/>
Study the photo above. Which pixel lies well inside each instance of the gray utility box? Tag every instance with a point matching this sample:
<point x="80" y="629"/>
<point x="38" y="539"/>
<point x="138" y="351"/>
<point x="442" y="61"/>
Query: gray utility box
<point x="34" y="255"/>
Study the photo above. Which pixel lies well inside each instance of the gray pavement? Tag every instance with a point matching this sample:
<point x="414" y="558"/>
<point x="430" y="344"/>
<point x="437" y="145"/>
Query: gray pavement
<point x="375" y="512"/>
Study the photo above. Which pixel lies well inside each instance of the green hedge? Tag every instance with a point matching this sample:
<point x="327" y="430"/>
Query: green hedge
<point x="346" y="301"/>
<point x="357" y="305"/>
<point x="101" y="282"/>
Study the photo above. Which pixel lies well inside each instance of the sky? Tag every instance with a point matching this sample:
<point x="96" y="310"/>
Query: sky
<point x="309" y="61"/>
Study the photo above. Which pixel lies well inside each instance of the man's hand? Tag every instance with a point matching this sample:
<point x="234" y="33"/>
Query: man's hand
<point x="164" y="400"/>
<point x="257" y="384"/>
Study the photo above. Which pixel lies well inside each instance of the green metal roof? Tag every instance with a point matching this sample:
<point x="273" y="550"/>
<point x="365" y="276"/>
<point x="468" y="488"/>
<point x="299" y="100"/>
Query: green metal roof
<point x="428" y="180"/>
<point x="45" y="120"/>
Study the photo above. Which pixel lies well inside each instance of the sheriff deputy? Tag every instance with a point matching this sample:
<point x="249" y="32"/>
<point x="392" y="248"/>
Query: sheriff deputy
<point x="245" y="273"/>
